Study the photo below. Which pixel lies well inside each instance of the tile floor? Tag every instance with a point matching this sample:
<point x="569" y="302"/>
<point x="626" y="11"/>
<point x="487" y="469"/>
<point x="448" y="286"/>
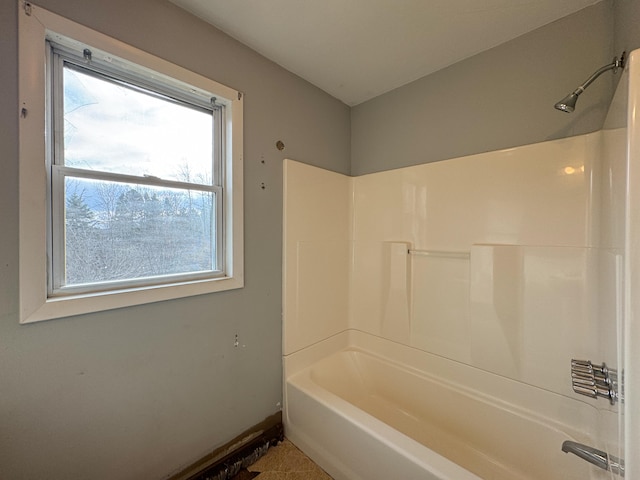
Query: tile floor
<point x="286" y="462"/>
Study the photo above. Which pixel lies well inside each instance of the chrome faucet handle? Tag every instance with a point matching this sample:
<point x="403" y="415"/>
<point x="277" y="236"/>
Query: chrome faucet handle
<point x="594" y="391"/>
<point x="588" y="367"/>
<point x="594" y="380"/>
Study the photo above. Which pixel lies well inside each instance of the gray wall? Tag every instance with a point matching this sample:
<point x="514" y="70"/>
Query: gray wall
<point x="497" y="99"/>
<point x="139" y="392"/>
<point x="627" y="25"/>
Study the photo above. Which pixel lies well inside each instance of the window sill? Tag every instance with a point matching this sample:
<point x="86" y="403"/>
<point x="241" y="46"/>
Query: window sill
<point x="66" y="306"/>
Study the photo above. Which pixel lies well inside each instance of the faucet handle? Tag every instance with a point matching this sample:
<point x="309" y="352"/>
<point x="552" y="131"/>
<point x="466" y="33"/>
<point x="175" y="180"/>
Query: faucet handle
<point x="585" y="390"/>
<point x="594" y="380"/>
<point x="587" y="367"/>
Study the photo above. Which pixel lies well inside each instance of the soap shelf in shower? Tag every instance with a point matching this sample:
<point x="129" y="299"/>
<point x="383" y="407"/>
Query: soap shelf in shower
<point x="440" y="254"/>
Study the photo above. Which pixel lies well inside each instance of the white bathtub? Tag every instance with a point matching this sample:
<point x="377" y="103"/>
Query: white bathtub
<point x="366" y="408"/>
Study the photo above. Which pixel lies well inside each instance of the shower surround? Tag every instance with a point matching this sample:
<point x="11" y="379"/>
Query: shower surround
<point x="450" y="297"/>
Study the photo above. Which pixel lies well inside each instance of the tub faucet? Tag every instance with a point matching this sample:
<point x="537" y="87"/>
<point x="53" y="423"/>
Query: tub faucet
<point x="597" y="457"/>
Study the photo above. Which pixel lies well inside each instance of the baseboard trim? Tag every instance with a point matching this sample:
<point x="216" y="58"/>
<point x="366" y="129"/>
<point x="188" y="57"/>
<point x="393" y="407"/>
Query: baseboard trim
<point x="224" y="462"/>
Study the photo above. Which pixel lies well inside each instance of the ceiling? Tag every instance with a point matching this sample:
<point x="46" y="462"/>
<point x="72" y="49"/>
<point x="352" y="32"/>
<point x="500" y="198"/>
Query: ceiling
<point x="358" y="49"/>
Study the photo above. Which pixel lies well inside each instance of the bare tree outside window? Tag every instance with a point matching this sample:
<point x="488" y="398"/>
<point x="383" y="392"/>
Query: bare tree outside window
<point x="114" y="228"/>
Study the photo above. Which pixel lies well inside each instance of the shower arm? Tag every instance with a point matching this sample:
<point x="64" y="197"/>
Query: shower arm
<point x="568" y="103"/>
<point x="617" y="63"/>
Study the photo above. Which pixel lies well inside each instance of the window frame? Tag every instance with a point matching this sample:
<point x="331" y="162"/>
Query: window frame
<point x="61" y="57"/>
<point x="38" y="301"/>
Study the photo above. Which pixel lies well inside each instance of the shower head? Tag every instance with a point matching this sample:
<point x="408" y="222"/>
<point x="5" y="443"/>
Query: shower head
<point x="568" y="103"/>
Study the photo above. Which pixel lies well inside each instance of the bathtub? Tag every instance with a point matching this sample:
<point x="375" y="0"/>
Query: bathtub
<point x="366" y="408"/>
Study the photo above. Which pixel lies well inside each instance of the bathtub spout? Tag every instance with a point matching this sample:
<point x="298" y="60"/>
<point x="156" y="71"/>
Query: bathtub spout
<point x="590" y="454"/>
<point x="597" y="457"/>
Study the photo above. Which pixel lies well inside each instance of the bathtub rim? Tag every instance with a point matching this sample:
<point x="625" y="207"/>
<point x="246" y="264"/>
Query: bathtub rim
<point x="401" y="444"/>
<point x="562" y="412"/>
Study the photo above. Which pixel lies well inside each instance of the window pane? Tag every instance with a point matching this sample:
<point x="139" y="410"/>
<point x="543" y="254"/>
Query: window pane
<point x="113" y="128"/>
<point x="119" y="231"/>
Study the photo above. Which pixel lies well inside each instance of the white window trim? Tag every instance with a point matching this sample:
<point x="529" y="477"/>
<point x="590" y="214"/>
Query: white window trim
<point x="35" y="26"/>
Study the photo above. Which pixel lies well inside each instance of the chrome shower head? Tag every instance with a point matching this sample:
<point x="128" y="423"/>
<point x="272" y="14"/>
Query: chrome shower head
<point x="568" y="103"/>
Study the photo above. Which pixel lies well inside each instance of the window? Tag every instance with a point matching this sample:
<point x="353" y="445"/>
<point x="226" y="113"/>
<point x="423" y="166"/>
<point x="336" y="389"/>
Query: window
<point x="135" y="177"/>
<point x="143" y="171"/>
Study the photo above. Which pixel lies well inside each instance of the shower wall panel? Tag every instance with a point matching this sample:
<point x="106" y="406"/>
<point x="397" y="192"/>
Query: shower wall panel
<point x="492" y="260"/>
<point x="317" y="226"/>
<point x="506" y="254"/>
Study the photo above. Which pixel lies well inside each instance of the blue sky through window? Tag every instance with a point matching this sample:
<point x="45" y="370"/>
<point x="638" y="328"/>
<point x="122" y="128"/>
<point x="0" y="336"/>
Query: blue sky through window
<point x="112" y="128"/>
